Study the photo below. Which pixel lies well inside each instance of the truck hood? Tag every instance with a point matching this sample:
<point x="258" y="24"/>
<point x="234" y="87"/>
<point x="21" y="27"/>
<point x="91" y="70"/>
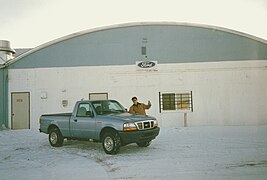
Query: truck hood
<point x="128" y="117"/>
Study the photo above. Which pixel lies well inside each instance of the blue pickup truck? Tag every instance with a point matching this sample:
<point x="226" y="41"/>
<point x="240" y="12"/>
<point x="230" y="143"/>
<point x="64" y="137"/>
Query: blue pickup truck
<point x="104" y="121"/>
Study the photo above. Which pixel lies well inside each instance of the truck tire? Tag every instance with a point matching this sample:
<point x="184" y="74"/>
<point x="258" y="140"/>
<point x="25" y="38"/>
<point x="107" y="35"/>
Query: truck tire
<point x="144" y="144"/>
<point x="55" y="137"/>
<point x="111" y="143"/>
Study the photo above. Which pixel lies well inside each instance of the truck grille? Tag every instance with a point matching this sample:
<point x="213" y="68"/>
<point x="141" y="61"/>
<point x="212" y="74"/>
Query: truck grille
<point x="142" y="125"/>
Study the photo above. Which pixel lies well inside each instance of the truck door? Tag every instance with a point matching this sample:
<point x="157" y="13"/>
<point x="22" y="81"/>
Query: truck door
<point x="82" y="124"/>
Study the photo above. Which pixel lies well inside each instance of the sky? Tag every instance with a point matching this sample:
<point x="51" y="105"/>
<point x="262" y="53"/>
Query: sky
<point x="30" y="23"/>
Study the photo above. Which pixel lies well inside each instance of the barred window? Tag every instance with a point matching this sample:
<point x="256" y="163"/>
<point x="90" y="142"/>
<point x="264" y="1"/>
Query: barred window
<point x="168" y="101"/>
<point x="176" y="101"/>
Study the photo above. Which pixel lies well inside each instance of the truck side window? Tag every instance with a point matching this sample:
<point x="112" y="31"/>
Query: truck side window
<point x="84" y="110"/>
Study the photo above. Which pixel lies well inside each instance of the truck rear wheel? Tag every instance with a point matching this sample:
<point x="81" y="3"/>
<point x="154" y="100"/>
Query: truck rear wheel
<point x="55" y="137"/>
<point x="111" y="143"/>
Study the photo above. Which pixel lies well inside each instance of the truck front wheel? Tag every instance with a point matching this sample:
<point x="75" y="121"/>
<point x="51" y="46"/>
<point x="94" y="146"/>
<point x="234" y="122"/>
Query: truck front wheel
<point x="55" y="137"/>
<point x="111" y="143"/>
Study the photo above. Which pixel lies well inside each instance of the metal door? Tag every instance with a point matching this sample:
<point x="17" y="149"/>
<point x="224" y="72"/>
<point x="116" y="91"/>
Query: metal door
<point x="20" y="110"/>
<point x="98" y="96"/>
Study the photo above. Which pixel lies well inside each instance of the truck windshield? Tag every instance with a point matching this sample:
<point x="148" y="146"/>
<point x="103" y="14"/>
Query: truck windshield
<point x="107" y="107"/>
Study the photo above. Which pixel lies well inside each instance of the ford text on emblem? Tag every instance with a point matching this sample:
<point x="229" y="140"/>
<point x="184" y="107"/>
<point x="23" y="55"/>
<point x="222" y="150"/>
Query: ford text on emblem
<point x="146" y="64"/>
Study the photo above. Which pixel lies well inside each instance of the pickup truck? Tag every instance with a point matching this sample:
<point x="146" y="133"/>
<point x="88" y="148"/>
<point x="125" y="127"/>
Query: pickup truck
<point x="105" y="121"/>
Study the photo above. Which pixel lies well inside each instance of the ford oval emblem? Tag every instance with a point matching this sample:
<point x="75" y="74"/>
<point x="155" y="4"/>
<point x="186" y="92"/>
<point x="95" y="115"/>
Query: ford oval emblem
<point x="146" y="64"/>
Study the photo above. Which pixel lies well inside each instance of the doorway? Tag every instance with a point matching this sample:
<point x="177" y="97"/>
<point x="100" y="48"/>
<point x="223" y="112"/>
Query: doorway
<point x="98" y="96"/>
<point x="20" y="110"/>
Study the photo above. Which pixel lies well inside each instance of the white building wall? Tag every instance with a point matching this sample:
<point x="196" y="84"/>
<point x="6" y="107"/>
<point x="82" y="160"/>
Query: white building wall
<point x="224" y="93"/>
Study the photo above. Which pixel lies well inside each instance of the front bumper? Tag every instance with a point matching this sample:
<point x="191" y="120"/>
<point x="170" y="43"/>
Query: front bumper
<point x="138" y="136"/>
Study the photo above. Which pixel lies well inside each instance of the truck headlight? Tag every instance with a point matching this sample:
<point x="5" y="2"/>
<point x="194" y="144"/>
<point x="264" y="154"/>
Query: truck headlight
<point x="156" y="124"/>
<point x="129" y="127"/>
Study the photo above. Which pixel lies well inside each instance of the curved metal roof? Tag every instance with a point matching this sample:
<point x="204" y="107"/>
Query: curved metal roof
<point x="136" y="24"/>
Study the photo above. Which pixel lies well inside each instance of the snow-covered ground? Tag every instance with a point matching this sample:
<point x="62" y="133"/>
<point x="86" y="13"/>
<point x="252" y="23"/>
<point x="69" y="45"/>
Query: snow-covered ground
<point x="235" y="152"/>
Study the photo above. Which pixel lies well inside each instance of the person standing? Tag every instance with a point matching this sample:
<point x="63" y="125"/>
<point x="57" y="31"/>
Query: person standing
<point x="139" y="108"/>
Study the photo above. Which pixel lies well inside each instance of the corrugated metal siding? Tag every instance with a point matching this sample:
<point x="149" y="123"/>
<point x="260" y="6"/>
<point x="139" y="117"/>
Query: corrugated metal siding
<point x="3" y="98"/>
<point x="165" y="43"/>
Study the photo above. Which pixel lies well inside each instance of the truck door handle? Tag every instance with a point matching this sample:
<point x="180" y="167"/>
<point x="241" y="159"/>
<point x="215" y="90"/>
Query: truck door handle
<point x="75" y="120"/>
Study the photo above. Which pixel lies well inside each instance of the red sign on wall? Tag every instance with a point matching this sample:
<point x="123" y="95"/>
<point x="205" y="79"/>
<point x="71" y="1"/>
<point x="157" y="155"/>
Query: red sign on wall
<point x="19" y="100"/>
